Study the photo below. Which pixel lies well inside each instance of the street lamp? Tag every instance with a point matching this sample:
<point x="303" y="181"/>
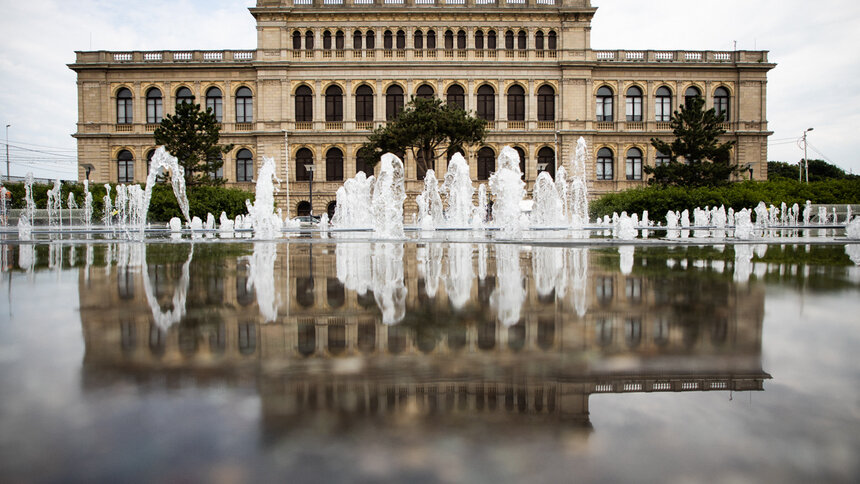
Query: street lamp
<point x="8" y="173"/>
<point x="805" y="158"/>
<point x="542" y="167"/>
<point x="310" y="169"/>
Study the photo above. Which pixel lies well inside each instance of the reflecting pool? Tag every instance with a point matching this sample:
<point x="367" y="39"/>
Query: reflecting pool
<point x="350" y="360"/>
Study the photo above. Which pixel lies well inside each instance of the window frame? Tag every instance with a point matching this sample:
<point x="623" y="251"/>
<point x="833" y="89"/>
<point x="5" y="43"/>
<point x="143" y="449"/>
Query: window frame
<point x="244" y="166"/>
<point x="605" y="102"/>
<point x="244" y="105"/>
<point x="633" y="104"/>
<point x="633" y="164"/>
<point x="154" y="106"/>
<point x="216" y="103"/>
<point x="125" y="167"/>
<point x="124" y="106"/>
<point x="603" y="162"/>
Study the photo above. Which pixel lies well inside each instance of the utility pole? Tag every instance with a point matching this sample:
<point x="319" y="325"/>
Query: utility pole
<point x="805" y="158"/>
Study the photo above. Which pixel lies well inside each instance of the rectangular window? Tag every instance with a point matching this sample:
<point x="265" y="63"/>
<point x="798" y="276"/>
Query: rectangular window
<point x="153" y="110"/>
<point x="634" y="168"/>
<point x="125" y="172"/>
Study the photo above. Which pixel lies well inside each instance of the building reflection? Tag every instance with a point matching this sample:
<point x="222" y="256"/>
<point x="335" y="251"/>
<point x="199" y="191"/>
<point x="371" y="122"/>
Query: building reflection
<point x="582" y="328"/>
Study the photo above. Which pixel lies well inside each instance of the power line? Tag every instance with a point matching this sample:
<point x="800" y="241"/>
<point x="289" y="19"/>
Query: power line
<point x="40" y="146"/>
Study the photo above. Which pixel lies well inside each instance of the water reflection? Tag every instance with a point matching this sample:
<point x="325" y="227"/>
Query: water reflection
<point x="364" y="332"/>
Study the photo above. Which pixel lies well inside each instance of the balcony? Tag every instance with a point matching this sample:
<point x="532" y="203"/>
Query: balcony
<point x="150" y="127"/>
<point x="521" y="125"/>
<point x="368" y="125"/>
<point x="124" y="128"/>
<point x="635" y="125"/>
<point x="244" y="126"/>
<point x="664" y="126"/>
<point x="605" y="125"/>
<point x="304" y="125"/>
<point x="334" y="125"/>
<point x="546" y="125"/>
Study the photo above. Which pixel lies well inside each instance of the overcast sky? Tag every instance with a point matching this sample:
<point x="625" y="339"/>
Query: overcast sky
<point x="814" y="44"/>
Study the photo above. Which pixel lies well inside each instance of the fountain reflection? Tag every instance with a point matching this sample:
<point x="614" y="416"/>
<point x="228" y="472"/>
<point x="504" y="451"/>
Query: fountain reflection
<point x="353" y="331"/>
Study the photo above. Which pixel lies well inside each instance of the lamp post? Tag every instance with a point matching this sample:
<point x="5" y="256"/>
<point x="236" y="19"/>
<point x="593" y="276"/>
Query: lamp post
<point x="310" y="169"/>
<point x="8" y="173"/>
<point x="805" y="158"/>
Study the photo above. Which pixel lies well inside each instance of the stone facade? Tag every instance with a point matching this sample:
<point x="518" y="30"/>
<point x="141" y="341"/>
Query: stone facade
<point x="323" y="46"/>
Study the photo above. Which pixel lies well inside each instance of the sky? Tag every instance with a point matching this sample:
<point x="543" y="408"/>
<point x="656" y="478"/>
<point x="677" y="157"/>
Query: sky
<point x="816" y="83"/>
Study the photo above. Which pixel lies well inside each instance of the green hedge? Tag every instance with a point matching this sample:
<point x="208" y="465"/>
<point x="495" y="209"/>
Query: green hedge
<point x="162" y="205"/>
<point x="659" y="200"/>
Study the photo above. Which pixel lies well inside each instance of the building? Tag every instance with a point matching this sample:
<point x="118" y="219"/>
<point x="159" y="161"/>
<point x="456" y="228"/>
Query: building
<point x="326" y="72"/>
<point x="449" y="358"/>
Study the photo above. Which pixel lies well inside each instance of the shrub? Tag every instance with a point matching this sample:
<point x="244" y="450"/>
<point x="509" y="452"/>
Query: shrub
<point x="162" y="205"/>
<point x="659" y="200"/>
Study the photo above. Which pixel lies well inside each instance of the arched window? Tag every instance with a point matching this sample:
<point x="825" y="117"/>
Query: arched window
<point x="603" y="331"/>
<point x="338" y="40"/>
<point x="633" y="167"/>
<point x="153" y="106"/>
<point x="487" y="102"/>
<point x="491" y="40"/>
<point x="539" y="40"/>
<point x="551" y="41"/>
<point x="662" y="159"/>
<point x="663" y="108"/>
<point x="461" y="39"/>
<point x="546" y="159"/>
<point x="297" y="40"/>
<point x="215" y="103"/>
<point x="387" y="40"/>
<point x="604" y="104"/>
<point x="604" y="164"/>
<point x="303" y="209"/>
<point x="219" y="172"/>
<point x="721" y="102"/>
<point x="691" y="93"/>
<point x="364" y="103"/>
<point x="244" y="105"/>
<point x="334" y="165"/>
<point x="634" y="104"/>
<point x="401" y="40"/>
<point x="431" y="39"/>
<point x="522" y="154"/>
<point x="124" y="107"/>
<point x="304" y="285"/>
<point x="545" y="333"/>
<point x="309" y="40"/>
<point x="330" y="209"/>
<point x="356" y="40"/>
<point x="304" y="157"/>
<point x="516" y="103"/>
<point x="486" y="335"/>
<point x="361" y="165"/>
<point x="449" y="40"/>
<point x="479" y="39"/>
<point x="247" y="338"/>
<point x="456" y="96"/>
<point x="335" y="297"/>
<point x="304" y="104"/>
<point x="509" y="40"/>
<point x="306" y="335"/>
<point x="149" y="155"/>
<point x="522" y="40"/>
<point x="244" y="166"/>
<point x="486" y="163"/>
<point x="370" y="40"/>
<point x="393" y="102"/>
<point x="326" y="40"/>
<point x="418" y="40"/>
<point x="633" y="332"/>
<point x="425" y="91"/>
<point x="184" y="96"/>
<point x="546" y="103"/>
<point x="334" y="104"/>
<point x="125" y="167"/>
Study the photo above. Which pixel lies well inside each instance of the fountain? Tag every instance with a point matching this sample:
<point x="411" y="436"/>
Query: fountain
<point x="508" y="191"/>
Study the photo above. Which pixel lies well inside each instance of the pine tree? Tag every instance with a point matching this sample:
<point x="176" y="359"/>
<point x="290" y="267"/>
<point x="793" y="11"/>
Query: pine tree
<point x="191" y="135"/>
<point x="696" y="156"/>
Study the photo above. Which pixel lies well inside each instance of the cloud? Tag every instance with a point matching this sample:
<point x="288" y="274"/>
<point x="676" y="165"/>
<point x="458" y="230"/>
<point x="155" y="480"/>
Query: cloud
<point x="815" y="83"/>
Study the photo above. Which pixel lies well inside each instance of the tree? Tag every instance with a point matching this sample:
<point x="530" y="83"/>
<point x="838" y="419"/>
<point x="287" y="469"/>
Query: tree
<point x="427" y="127"/>
<point x="696" y="156"/>
<point x="192" y="135"/>
<point x="819" y="170"/>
